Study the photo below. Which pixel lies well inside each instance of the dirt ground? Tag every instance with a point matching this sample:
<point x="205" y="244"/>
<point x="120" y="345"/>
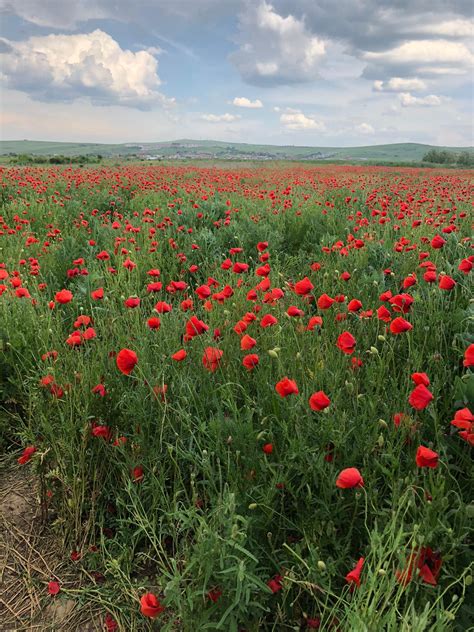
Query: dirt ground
<point x="29" y="560"/>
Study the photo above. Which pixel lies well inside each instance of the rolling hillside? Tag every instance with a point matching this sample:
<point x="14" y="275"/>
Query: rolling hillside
<point x="185" y="149"/>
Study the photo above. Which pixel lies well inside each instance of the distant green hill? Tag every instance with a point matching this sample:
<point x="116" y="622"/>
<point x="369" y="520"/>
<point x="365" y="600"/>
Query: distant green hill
<point x="211" y="149"/>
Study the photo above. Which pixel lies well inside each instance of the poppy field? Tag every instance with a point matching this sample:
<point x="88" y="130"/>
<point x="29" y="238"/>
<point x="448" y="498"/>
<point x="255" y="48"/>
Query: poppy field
<point x="246" y="393"/>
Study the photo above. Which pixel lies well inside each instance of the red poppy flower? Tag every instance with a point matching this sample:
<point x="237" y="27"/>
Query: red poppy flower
<point x="275" y="584"/>
<point x="466" y="266"/>
<point x="247" y="342"/>
<point x="263" y="271"/>
<point x="99" y="390"/>
<point x="400" y="325"/>
<point x="426" y="457"/>
<point x="126" y="361"/>
<point x="26" y="455"/>
<point x="63" y="297"/>
<point x="154" y="272"/>
<point x="214" y="595"/>
<point x="195" y="327"/>
<point x="428" y="564"/>
<point x="446" y="282"/>
<point x="153" y="322"/>
<point x="384" y="314"/>
<point x="437" y="242"/>
<point x="420" y="378"/>
<point x="162" y="308"/>
<point x="430" y="276"/>
<point x="401" y="303"/>
<point x="286" y="387"/>
<point x="420" y="397"/>
<point x="102" y="431"/>
<point x="250" y="361"/>
<point x="156" y="286"/>
<point x="110" y="624"/>
<point x="53" y="588"/>
<point x="294" y="312"/>
<point x="137" y="474"/>
<point x="354" y="306"/>
<point x="268" y="448"/>
<point x="150" y="605"/>
<point x="353" y="577"/>
<point x="179" y="355"/>
<point x="240" y="327"/>
<point x="325" y="301"/>
<point x="463" y="419"/>
<point x="346" y="343"/>
<point x="268" y="320"/>
<point x="132" y="302"/>
<point x="313" y="624"/>
<point x="239" y="268"/>
<point x="89" y="334"/>
<point x="303" y="287"/>
<point x="314" y="321"/>
<point x="82" y="320"/>
<point x="319" y="401"/>
<point x="348" y="478"/>
<point x="203" y="292"/>
<point x="98" y="294"/>
<point x="399" y="417"/>
<point x="469" y="356"/>
<point x="212" y="358"/>
<point x="22" y="292"/>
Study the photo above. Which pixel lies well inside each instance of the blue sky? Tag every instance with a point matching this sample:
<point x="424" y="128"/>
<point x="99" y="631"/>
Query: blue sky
<point x="297" y="72"/>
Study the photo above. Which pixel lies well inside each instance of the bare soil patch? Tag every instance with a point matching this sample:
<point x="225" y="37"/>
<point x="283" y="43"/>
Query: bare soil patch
<point x="29" y="559"/>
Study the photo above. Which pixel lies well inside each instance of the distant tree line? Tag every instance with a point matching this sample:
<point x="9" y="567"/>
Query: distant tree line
<point x="29" y="159"/>
<point x="445" y="157"/>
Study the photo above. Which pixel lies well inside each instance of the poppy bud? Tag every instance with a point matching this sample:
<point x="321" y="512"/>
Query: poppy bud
<point x="272" y="353"/>
<point x="253" y="506"/>
<point x="374" y="351"/>
<point x="381" y="338"/>
<point x="383" y="423"/>
<point x="321" y="565"/>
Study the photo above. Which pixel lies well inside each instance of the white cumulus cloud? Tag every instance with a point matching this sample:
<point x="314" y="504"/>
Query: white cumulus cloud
<point x="365" y="128"/>
<point x="296" y="120"/>
<point x="449" y="28"/>
<point x="422" y="57"/>
<point x="276" y="49"/>
<point x="68" y="67"/>
<point x="407" y="100"/>
<point x="399" y="84"/>
<point x="220" y="118"/>
<point x="243" y="102"/>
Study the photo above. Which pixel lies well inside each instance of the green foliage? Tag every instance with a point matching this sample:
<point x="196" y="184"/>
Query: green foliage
<point x="445" y="157"/>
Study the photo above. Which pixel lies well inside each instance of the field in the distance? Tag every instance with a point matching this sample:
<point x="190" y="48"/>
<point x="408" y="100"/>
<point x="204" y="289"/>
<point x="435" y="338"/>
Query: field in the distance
<point x="188" y="149"/>
<point x="245" y="394"/>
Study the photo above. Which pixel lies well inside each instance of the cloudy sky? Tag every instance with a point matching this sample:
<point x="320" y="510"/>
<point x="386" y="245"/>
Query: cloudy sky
<point x="304" y="72"/>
